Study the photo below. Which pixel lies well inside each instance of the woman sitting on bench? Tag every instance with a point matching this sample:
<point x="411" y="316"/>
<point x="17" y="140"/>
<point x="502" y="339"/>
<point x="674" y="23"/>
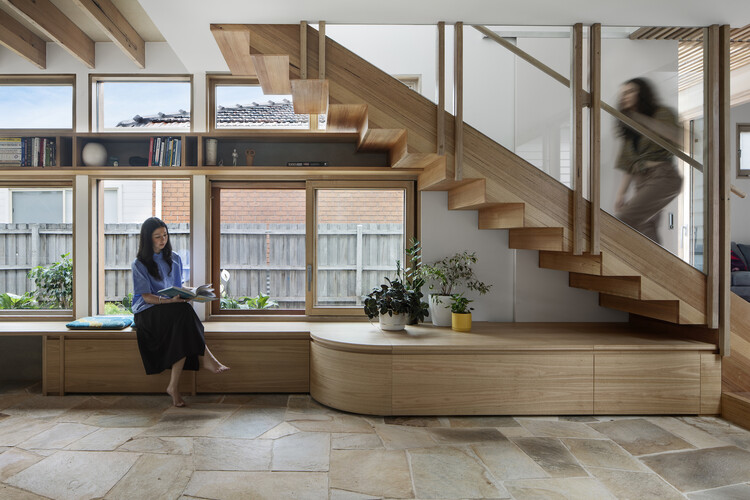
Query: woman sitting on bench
<point x="170" y="334"/>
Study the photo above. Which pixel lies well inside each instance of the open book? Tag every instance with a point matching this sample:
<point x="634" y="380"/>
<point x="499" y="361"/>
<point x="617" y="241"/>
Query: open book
<point x="203" y="293"/>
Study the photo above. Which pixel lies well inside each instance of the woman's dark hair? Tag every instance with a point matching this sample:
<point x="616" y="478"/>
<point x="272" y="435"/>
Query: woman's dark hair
<point x="647" y="104"/>
<point x="146" y="246"/>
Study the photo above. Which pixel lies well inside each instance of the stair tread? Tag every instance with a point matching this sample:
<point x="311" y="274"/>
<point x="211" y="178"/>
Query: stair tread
<point x="346" y="117"/>
<point x="418" y="161"/>
<point x="273" y="73"/>
<point x="381" y="139"/>
<point x="310" y="97"/>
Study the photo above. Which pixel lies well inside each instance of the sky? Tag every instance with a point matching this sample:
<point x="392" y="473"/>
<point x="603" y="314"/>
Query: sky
<point x="27" y="106"/>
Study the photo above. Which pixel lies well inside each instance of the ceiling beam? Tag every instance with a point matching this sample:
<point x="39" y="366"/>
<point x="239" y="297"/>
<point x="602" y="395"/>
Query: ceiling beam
<point x="234" y="42"/>
<point x="118" y="29"/>
<point x="47" y="18"/>
<point x="22" y="41"/>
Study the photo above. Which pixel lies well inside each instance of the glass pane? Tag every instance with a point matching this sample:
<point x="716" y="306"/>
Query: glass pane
<point x="246" y="106"/>
<point x="657" y="82"/>
<point x="36" y="249"/>
<point x="744" y="148"/>
<point x="516" y="104"/>
<point x="361" y="235"/>
<point x="262" y="249"/>
<point x="127" y="105"/>
<point x="140" y="199"/>
<point x="36" y="106"/>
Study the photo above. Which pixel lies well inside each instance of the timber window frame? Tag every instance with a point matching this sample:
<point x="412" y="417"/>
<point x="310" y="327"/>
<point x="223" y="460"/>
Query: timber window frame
<point x="743" y="136"/>
<point x="61" y="80"/>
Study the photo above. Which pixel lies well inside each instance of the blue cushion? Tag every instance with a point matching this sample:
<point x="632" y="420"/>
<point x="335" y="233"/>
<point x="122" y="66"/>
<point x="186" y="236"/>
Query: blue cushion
<point x="101" y="323"/>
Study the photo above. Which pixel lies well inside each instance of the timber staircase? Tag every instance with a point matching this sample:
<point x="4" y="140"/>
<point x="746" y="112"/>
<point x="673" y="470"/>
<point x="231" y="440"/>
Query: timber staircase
<point x="630" y="274"/>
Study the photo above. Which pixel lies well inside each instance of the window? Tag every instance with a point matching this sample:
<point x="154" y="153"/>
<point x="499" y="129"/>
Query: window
<point x="36" y="234"/>
<point x="37" y="102"/>
<point x="239" y="103"/>
<point x="359" y="234"/>
<point x="310" y="247"/>
<point x="743" y="150"/>
<point x="259" y="247"/>
<point x="121" y="103"/>
<point x="125" y="204"/>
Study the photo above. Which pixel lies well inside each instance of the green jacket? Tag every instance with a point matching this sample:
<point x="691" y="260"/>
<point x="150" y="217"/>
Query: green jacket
<point x="633" y="159"/>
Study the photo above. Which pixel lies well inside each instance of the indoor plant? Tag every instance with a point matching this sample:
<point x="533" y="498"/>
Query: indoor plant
<point x="460" y="313"/>
<point x="444" y="276"/>
<point x="395" y="303"/>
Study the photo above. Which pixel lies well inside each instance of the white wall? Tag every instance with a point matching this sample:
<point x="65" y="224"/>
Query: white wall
<point x="740" y="208"/>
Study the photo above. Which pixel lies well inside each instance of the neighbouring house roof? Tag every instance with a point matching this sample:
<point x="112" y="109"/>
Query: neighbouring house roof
<point x="269" y="114"/>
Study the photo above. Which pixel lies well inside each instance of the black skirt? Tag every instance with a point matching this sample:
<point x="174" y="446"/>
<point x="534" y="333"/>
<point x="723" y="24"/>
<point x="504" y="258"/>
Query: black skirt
<point x="166" y="334"/>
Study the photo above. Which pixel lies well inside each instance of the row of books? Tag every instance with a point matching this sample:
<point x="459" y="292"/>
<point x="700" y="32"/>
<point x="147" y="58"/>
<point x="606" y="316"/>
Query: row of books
<point x="165" y="152"/>
<point x="27" y="152"/>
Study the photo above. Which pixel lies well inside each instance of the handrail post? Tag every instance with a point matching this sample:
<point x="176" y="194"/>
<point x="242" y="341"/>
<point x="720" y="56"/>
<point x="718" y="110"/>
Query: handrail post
<point x="725" y="180"/>
<point x="303" y="50"/>
<point x="458" y="101"/>
<point x="576" y="154"/>
<point x="440" y="140"/>
<point x="595" y="121"/>
<point x="711" y="174"/>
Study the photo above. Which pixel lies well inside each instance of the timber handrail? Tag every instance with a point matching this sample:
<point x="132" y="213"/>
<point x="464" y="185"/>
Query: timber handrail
<point x="641" y="129"/>
<point x="737" y="191"/>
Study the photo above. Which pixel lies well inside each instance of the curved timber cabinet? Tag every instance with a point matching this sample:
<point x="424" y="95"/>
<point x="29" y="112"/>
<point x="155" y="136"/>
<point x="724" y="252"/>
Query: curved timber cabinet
<point x="512" y="369"/>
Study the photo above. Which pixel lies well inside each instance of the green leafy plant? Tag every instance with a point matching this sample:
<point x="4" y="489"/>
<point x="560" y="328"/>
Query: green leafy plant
<point x="395" y="297"/>
<point x="127" y="302"/>
<point x="54" y="283"/>
<point x="451" y="272"/>
<point x="261" y="301"/>
<point x="460" y="304"/>
<point x="13" y="301"/>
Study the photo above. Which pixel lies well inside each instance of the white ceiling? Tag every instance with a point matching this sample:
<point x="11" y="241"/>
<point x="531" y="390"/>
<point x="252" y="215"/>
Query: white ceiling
<point x="184" y="24"/>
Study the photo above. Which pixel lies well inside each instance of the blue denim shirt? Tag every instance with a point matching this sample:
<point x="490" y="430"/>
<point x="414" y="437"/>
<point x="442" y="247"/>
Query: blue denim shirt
<point x="143" y="282"/>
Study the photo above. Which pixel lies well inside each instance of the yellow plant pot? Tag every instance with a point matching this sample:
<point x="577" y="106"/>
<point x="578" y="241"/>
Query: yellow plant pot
<point x="461" y="322"/>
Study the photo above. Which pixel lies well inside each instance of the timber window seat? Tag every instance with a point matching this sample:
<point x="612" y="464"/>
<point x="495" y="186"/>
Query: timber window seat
<point x="496" y="369"/>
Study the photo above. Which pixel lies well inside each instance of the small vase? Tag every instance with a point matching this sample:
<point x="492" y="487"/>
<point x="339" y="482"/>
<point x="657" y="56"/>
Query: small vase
<point x="393" y="323"/>
<point x="461" y="322"/>
<point x="440" y="312"/>
<point x="212" y="146"/>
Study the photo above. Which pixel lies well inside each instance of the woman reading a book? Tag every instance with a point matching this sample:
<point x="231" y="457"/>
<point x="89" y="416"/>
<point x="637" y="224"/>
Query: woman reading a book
<point x="170" y="334"/>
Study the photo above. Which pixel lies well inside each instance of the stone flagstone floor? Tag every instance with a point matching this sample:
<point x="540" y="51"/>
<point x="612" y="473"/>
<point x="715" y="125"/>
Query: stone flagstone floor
<point x="287" y="447"/>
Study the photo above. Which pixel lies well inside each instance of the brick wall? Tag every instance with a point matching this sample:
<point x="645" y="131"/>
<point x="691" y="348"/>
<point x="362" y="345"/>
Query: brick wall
<point x="287" y="206"/>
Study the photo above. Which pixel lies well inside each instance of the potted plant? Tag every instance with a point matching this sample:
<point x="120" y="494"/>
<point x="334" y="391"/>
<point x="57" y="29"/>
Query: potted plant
<point x="395" y="303"/>
<point x="444" y="276"/>
<point x="460" y="313"/>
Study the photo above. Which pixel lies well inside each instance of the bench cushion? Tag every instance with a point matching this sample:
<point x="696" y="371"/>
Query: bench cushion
<point x="101" y="323"/>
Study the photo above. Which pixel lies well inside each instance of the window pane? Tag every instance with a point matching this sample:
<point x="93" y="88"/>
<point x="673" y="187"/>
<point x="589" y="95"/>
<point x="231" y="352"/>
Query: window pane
<point x="361" y="234"/>
<point x="125" y="105"/>
<point x="36" y="238"/>
<point x="36" y="106"/>
<point x="745" y="151"/>
<point x="141" y="199"/>
<point x="245" y="106"/>
<point x="262" y="248"/>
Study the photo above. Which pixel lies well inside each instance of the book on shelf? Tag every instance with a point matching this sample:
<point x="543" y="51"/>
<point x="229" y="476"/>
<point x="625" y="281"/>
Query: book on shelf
<point x="164" y="151"/>
<point x="203" y="293"/>
<point x="307" y="164"/>
<point x="27" y="151"/>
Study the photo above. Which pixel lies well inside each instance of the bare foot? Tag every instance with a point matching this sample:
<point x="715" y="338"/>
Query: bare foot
<point x="176" y="398"/>
<point x="212" y="364"/>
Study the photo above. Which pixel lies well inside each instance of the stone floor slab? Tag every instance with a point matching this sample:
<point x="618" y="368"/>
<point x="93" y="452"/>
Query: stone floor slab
<point x="551" y="455"/>
<point x="248" y="423"/>
<point x="159" y="476"/>
<point x="702" y="469"/>
<point x="40" y="406"/>
<point x="630" y="485"/>
<point x="559" y="429"/>
<point x="339" y="423"/>
<point x="302" y="452"/>
<point x="693" y="435"/>
<point x="75" y="475"/>
<point x="355" y="441"/>
<point x="281" y="430"/>
<point x="506" y="461"/>
<point x="14" y="461"/>
<point x="349" y="495"/>
<point x="381" y="473"/>
<point x="602" y="453"/>
<point x="221" y="454"/>
<point x="448" y="472"/>
<point x="414" y="421"/>
<point x="57" y="437"/>
<point x="483" y="422"/>
<point x="641" y="437"/>
<point x="735" y="492"/>
<point x="166" y="445"/>
<point x="579" y="488"/>
<point x="443" y="435"/>
<point x="397" y="437"/>
<point x="105" y="439"/>
<point x="258" y="485"/>
<point x="10" y="493"/>
<point x="16" y="430"/>
<point x="721" y="429"/>
<point x="186" y="423"/>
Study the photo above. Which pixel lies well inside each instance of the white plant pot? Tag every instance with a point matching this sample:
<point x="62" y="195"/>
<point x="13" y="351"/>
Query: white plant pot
<point x="441" y="312"/>
<point x="393" y="323"/>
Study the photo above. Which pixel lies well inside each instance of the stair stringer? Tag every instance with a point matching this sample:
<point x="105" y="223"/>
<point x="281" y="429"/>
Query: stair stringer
<point x="509" y="178"/>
